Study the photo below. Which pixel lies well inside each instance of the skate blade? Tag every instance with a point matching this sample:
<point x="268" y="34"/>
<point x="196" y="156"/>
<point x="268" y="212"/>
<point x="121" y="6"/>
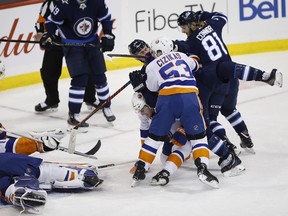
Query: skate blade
<point x="213" y="183"/>
<point x="238" y="170"/>
<point x="279" y="79"/>
<point x="249" y="150"/>
<point x="237" y="152"/>
<point x="134" y="183"/>
<point x="79" y="130"/>
<point x="160" y="182"/>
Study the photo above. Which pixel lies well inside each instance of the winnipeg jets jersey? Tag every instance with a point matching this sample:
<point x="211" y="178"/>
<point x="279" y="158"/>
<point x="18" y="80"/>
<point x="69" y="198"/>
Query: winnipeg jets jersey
<point x="207" y="42"/>
<point x="79" y="22"/>
<point x="172" y="73"/>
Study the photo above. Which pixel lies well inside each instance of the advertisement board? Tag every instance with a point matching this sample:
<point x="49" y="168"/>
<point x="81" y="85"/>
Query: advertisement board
<point x="248" y="21"/>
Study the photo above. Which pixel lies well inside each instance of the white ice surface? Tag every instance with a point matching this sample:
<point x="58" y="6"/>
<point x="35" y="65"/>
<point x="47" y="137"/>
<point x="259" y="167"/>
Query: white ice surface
<point x="261" y="191"/>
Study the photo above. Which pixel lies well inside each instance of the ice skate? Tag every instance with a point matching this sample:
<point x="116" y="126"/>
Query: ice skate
<point x="43" y="107"/>
<point x="139" y="173"/>
<point x="231" y="166"/>
<point x="275" y="78"/>
<point x="108" y="114"/>
<point x="206" y="177"/>
<point x="74" y="120"/>
<point x="231" y="146"/>
<point x="246" y="142"/>
<point x="161" y="178"/>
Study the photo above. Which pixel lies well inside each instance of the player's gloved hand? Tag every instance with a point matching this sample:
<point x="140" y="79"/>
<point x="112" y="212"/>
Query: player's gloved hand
<point x="50" y="143"/>
<point x="46" y="40"/>
<point x="107" y="42"/>
<point x="138" y="79"/>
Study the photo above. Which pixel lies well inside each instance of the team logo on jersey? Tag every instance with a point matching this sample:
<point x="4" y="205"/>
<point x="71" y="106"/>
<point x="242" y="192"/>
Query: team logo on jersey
<point x="83" y="27"/>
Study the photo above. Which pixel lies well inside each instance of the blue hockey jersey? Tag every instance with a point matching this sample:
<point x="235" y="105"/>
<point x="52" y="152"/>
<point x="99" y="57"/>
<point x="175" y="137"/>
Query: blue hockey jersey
<point x="13" y="165"/>
<point x="78" y="22"/>
<point x="207" y="42"/>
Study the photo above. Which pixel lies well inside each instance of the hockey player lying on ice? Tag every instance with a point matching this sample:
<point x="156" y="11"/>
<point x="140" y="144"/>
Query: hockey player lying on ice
<point x="24" y="180"/>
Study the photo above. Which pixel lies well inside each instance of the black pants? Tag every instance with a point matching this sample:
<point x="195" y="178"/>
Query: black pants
<point x="51" y="72"/>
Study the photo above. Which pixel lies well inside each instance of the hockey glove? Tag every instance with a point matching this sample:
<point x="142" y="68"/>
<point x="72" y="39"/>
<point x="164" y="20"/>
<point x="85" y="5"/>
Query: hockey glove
<point x="107" y="42"/>
<point x="46" y="40"/>
<point x="138" y="79"/>
<point x="50" y="143"/>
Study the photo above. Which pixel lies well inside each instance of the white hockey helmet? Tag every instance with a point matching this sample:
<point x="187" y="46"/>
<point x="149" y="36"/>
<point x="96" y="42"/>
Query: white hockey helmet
<point x="161" y="46"/>
<point x="2" y="70"/>
<point x="138" y="101"/>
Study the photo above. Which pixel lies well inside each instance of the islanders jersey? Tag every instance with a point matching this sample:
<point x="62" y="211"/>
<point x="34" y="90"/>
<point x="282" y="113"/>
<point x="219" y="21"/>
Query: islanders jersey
<point x="172" y="73"/>
<point x="79" y="22"/>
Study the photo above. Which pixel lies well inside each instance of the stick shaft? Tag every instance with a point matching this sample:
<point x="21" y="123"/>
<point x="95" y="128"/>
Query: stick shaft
<point x="102" y="105"/>
<point x="53" y="43"/>
<point x="125" y="55"/>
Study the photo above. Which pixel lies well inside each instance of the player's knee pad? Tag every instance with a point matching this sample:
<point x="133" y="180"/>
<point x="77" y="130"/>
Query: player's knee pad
<point x="25" y="192"/>
<point x="80" y="81"/>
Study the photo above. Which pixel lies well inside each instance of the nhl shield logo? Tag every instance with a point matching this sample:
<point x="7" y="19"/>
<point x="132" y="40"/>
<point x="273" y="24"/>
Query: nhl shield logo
<point x="83" y="27"/>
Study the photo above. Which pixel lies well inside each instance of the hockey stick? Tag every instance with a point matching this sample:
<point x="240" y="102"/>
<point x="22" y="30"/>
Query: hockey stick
<point x="72" y="140"/>
<point x="61" y="148"/>
<point x="113" y="164"/>
<point x="102" y="105"/>
<point x="125" y="55"/>
<point x="53" y="43"/>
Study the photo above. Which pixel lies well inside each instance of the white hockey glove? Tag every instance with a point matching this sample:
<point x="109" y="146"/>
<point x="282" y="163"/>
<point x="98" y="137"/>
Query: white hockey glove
<point x="27" y="194"/>
<point x="2" y="70"/>
<point x="138" y="102"/>
<point x="50" y="139"/>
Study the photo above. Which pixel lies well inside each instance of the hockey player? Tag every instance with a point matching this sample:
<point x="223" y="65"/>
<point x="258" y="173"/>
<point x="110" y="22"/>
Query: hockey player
<point x="176" y="149"/>
<point x="49" y="140"/>
<point x="204" y="38"/>
<point x="171" y="74"/>
<point x="52" y="66"/>
<point x="2" y="70"/>
<point x="230" y="163"/>
<point x="77" y="22"/>
<point x="25" y="179"/>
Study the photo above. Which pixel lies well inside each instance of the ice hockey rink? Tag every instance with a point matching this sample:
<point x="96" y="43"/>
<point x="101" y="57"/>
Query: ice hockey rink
<point x="261" y="191"/>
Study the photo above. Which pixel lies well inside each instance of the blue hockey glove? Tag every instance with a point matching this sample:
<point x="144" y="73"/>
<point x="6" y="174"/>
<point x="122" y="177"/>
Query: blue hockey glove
<point x="107" y="42"/>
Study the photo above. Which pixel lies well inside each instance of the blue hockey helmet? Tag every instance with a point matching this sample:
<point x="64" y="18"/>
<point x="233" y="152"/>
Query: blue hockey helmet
<point x="187" y="17"/>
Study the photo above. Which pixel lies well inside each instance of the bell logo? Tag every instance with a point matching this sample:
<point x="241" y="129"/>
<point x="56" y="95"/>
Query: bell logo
<point x="264" y="10"/>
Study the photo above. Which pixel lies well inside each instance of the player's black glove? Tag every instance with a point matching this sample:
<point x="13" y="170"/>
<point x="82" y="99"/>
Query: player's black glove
<point x="138" y="79"/>
<point x="47" y="40"/>
<point x="107" y="42"/>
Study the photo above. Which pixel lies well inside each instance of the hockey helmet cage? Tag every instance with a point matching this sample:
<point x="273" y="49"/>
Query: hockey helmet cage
<point x="136" y="46"/>
<point x="161" y="46"/>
